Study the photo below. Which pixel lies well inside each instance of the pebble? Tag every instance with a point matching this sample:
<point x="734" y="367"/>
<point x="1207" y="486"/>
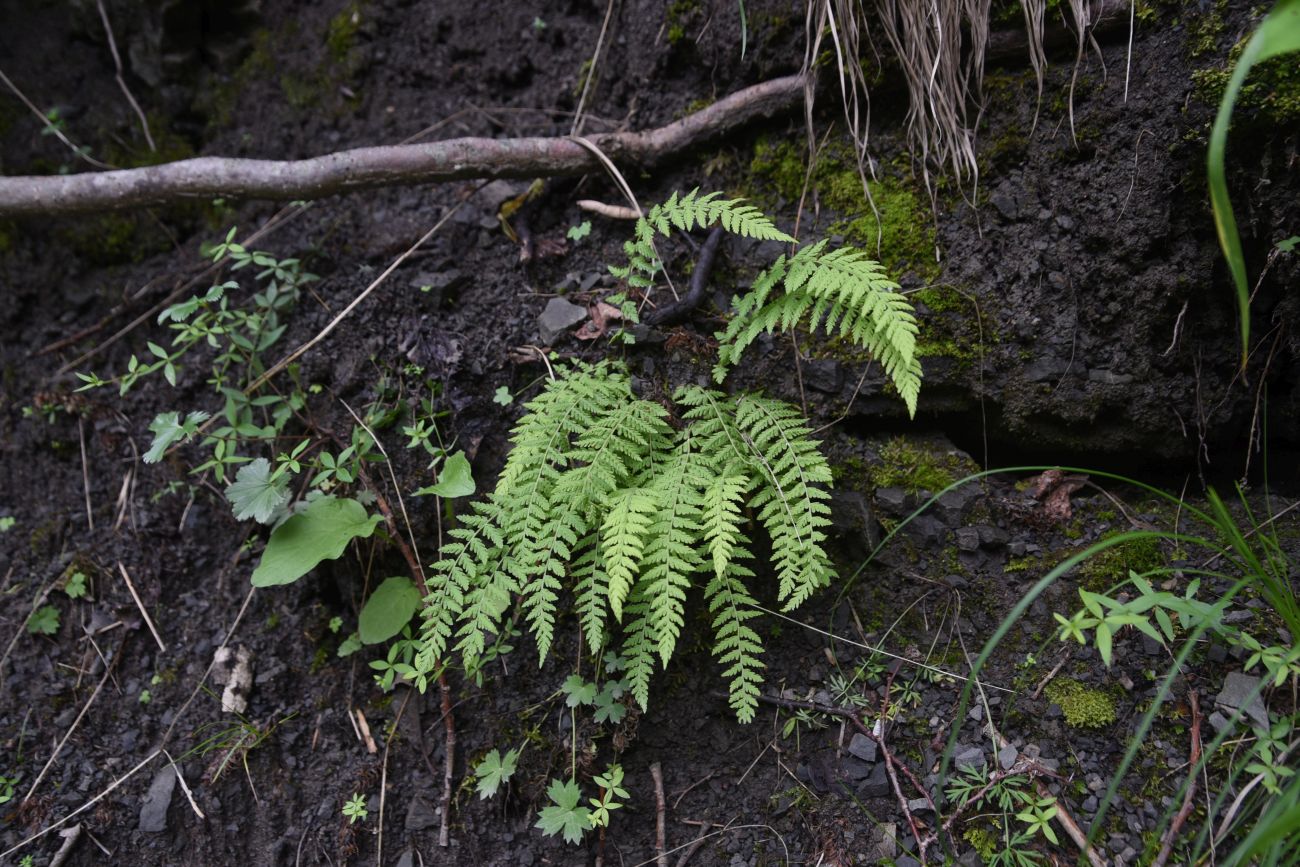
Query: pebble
<point x="863" y="748"/>
<point x="153" y="810"/>
<point x="558" y="317"/>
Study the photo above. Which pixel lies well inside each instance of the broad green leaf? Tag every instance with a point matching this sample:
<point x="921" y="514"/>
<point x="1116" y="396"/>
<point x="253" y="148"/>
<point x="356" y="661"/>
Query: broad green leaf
<point x="168" y="429"/>
<point x="455" y="480"/>
<point x="494" y="771"/>
<point x="320" y="532"/>
<point x="564" y="815"/>
<point x="1278" y="33"/>
<point x="388" y="609"/>
<point x="256" y="493"/>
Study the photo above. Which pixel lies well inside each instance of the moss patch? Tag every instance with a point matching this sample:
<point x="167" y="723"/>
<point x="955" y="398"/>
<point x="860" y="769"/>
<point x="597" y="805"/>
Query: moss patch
<point x="914" y="467"/>
<point x="1112" y="566"/>
<point x="1083" y="706"/>
<point x="903" y="228"/>
<point x="1270" y="95"/>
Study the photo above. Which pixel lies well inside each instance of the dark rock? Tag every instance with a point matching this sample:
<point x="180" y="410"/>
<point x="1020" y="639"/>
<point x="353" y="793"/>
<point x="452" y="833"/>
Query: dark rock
<point x="852" y="518"/>
<point x="558" y="317"/>
<point x="854" y="770"/>
<point x="991" y="537"/>
<point x="894" y="501"/>
<point x="968" y="539"/>
<point x="1106" y="377"/>
<point x="876" y="785"/>
<point x="153" y="810"/>
<point x="863" y="747"/>
<point x="968" y="756"/>
<point x="927" y="530"/>
<point x="420" y="814"/>
<point x="824" y="374"/>
<point x="1044" y="369"/>
<point x="1005" y="201"/>
<point x="951" y="507"/>
<point x="1241" y="692"/>
<point x="1007" y="757"/>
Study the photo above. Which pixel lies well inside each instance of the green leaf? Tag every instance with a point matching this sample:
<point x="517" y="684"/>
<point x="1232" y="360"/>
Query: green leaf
<point x="564" y="815"/>
<point x="455" y="480"/>
<point x="320" y="532"/>
<point x="578" y="691"/>
<point x="390" y="607"/>
<point x="495" y="771"/>
<point x="168" y="429"/>
<point x="349" y="646"/>
<point x="44" y="621"/>
<point x="1278" y="33"/>
<point x="580" y="231"/>
<point x="256" y="493"/>
<point x="503" y="396"/>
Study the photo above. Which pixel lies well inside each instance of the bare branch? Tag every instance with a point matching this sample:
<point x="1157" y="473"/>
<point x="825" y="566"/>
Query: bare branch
<point x="368" y="168"/>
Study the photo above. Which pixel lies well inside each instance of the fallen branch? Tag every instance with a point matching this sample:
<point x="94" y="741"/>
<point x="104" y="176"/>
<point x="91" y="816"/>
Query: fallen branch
<point x="694" y="297"/>
<point x="368" y="168"/>
<point x="1189" y="797"/>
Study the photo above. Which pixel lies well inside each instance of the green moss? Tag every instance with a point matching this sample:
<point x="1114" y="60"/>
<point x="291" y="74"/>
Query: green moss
<point x="904" y="228"/>
<point x="1271" y="92"/>
<point x="341" y="35"/>
<point x="916" y="467"/>
<point x="1083" y="706"/>
<point x="678" y="15"/>
<point x="112" y="239"/>
<point x="299" y="91"/>
<point x="1203" y="31"/>
<point x="983" y="841"/>
<point x="1112" y="566"/>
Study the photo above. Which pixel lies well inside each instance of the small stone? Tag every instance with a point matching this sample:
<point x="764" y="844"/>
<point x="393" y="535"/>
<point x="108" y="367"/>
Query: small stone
<point x="968" y="756"/>
<point x="968" y="539"/>
<point x="153" y="810"/>
<point x="976" y="712"/>
<point x="863" y="747"/>
<point x="854" y="770"/>
<point x="1065" y="222"/>
<point x="886" y="847"/>
<point x="1007" y="757"/>
<point x="919" y="805"/>
<point x="1220" y="722"/>
<point x="1106" y="377"/>
<point x="589" y="281"/>
<point x="558" y="317"/>
<point x="893" y="501"/>
<point x="1005" y="202"/>
<point x="1241" y="692"/>
<point x="420" y="814"/>
<point x="876" y="785"/>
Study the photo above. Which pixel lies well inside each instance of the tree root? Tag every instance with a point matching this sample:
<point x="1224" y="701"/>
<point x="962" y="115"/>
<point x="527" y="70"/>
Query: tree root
<point x="368" y="168"/>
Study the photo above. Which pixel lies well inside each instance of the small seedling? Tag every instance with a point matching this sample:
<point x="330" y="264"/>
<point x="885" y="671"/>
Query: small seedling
<point x="336" y="623"/>
<point x="580" y="231"/>
<point x="7" y="787"/>
<point x="502" y="396"/>
<point x="7" y="521"/>
<point x="76" y="586"/>
<point x="145" y="696"/>
<point x="44" y="621"/>
<point x="355" y="809"/>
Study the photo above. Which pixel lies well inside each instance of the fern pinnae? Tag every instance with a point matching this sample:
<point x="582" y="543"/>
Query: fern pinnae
<point x="670" y="553"/>
<point x="591" y="591"/>
<point x="737" y="646"/>
<point x="451" y="581"/>
<point x="623" y="541"/>
<point x="723" y="521"/>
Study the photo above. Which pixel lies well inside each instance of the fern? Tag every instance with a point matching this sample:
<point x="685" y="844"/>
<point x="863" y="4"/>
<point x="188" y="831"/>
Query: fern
<point x="843" y="291"/>
<point x="611" y="499"/>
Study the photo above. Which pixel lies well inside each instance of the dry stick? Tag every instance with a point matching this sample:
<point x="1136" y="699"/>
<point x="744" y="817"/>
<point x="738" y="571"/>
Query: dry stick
<point x="383" y="781"/>
<point x="108" y="671"/>
<point x="85" y="473"/>
<point x="369" y="168"/>
<point x="448" y="722"/>
<point x="656" y="774"/>
<point x="1167" y="845"/>
<point x="614" y="212"/>
<point x="70" y="837"/>
<point x="121" y="82"/>
<point x="138" y="604"/>
<point x="185" y="787"/>
<point x="84" y="807"/>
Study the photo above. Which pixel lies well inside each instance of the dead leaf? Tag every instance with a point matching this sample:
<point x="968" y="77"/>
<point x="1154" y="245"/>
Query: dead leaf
<point x="601" y="315"/>
<point x="1054" y="488"/>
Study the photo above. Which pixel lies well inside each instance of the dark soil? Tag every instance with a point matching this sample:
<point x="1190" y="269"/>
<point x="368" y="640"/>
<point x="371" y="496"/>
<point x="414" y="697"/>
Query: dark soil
<point x="1104" y="337"/>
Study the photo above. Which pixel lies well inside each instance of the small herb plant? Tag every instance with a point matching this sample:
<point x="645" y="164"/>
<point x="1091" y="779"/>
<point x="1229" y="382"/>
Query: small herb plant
<point x="355" y="808"/>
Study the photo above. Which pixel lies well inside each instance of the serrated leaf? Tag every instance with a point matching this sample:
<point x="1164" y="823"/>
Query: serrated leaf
<point x="168" y="429"/>
<point x="495" y="771"/>
<point x="255" y="493"/>
<point x="390" y="607"/>
<point x="320" y="532"/>
<point x="564" y="816"/>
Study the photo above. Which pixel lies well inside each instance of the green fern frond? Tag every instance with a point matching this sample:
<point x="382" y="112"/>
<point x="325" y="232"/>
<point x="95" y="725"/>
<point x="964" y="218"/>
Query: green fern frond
<point x="611" y="447"/>
<point x="670" y="554"/>
<point x="623" y="541"/>
<point x="638" y="648"/>
<point x="591" y="591"/>
<point x="541" y="568"/>
<point x="843" y="290"/>
<point x="722" y="523"/>
<point x="790" y="503"/>
<point x="686" y="213"/>
<point x="736" y="644"/>
<point x="712" y="416"/>
<point x="476" y="546"/>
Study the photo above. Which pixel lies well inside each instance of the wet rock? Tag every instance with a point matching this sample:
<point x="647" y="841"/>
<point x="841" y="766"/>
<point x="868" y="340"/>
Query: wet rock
<point x="968" y="756"/>
<point x="893" y="501"/>
<point x="863" y="747"/>
<point x="558" y="317"/>
<point x="876" y="785"/>
<point x="153" y="810"/>
<point x="1241" y="692"/>
<point x="420" y="814"/>
<point x="824" y="374"/>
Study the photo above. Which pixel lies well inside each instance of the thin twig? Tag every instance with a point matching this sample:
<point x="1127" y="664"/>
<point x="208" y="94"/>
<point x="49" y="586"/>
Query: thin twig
<point x="85" y="473"/>
<point x="80" y="153"/>
<point x="449" y="727"/>
<point x="656" y="774"/>
<point x="1167" y="844"/>
<point x="70" y="837"/>
<point x="84" y="807"/>
<point x="138" y="604"/>
<point x="614" y="212"/>
<point x="121" y="82"/>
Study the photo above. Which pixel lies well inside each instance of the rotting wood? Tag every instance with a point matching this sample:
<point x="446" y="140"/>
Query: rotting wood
<point x="372" y="167"/>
